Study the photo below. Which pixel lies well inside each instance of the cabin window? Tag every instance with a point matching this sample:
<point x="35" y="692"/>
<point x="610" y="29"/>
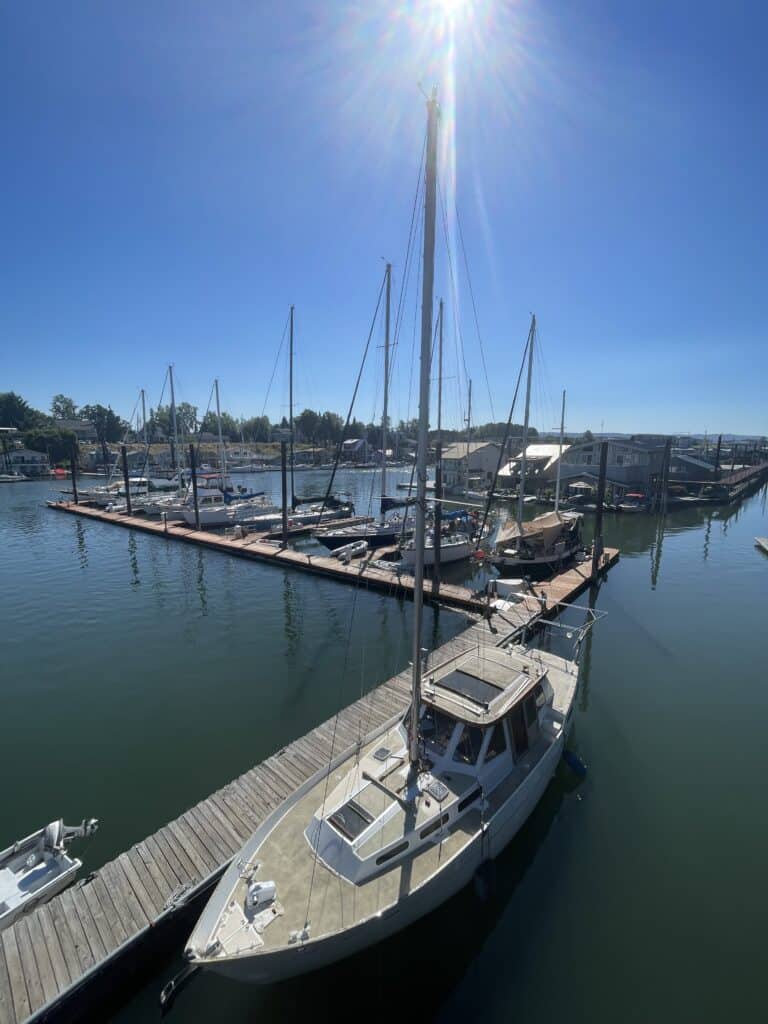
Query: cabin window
<point x="470" y="799"/>
<point x="392" y="853"/>
<point x="497" y="743"/>
<point x="437" y="728"/>
<point x="433" y="826"/>
<point x="619" y="460"/>
<point x="529" y="706"/>
<point x="518" y="730"/>
<point x="351" y="819"/>
<point x="468" y="748"/>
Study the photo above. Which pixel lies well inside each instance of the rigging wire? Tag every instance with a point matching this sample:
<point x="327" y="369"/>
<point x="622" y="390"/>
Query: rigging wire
<point x="352" y="403"/>
<point x="474" y="310"/>
<point x="500" y="462"/>
<point x="274" y="368"/>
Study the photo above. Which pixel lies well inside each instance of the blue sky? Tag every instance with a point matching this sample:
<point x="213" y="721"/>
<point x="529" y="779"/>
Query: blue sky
<point x="175" y="174"/>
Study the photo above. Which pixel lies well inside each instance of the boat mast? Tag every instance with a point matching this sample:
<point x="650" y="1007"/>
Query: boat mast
<point x="521" y="495"/>
<point x="174" y="457"/>
<point x="385" y="410"/>
<point x="438" y="522"/>
<point x="428" y="279"/>
<point x="469" y="431"/>
<point x="290" y="407"/>
<point x="560" y="455"/>
<point x="222" y="456"/>
<point x="144" y="415"/>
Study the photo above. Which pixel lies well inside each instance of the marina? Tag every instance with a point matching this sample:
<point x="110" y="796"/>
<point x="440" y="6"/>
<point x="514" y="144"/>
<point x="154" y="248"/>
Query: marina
<point x="126" y="908"/>
<point x="384" y="570"/>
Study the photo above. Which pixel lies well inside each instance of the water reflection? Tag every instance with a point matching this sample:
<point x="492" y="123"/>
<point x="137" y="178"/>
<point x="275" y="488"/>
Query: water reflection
<point x="202" y="591"/>
<point x="82" y="550"/>
<point x="133" y="560"/>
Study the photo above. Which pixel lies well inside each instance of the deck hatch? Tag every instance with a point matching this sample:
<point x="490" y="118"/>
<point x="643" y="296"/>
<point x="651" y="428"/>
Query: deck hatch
<point x="351" y="819"/>
<point x="471" y="687"/>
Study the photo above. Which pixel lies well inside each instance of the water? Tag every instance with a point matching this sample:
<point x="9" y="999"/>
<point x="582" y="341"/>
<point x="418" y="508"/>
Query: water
<point x="139" y="675"/>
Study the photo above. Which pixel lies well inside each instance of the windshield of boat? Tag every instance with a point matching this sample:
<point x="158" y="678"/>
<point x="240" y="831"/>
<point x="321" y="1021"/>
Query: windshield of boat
<point x="437" y="728"/>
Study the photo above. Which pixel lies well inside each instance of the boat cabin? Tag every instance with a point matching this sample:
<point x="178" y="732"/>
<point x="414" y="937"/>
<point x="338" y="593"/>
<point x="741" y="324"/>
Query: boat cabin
<point x="481" y="716"/>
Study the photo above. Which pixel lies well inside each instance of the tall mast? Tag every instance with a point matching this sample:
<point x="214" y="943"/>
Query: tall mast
<point x="144" y="415"/>
<point x="290" y="406"/>
<point x="521" y="495"/>
<point x="560" y="455"/>
<point x="222" y="457"/>
<point x="438" y="523"/>
<point x="174" y="462"/>
<point x="428" y="279"/>
<point x="469" y="431"/>
<point x="385" y="410"/>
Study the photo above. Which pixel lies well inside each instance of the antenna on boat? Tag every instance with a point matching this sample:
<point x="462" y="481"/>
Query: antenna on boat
<point x="521" y="494"/>
<point x="428" y="280"/>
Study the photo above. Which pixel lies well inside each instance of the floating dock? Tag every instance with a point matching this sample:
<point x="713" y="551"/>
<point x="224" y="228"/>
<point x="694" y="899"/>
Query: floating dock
<point x="369" y="572"/>
<point x="80" y="954"/>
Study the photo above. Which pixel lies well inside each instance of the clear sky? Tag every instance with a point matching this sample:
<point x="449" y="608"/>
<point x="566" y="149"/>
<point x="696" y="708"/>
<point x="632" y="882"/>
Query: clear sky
<point x="174" y="174"/>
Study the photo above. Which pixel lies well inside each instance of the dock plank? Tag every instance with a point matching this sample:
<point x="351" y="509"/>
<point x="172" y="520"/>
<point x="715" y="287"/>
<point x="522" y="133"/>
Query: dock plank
<point x="151" y="905"/>
<point x="55" y="952"/>
<point x="7" y="1011"/>
<point x="43" y="958"/>
<point x="109" y="909"/>
<point x="29" y="965"/>
<point x="74" y="957"/>
<point x="16" y="979"/>
<point x="176" y="855"/>
<point x="190" y="844"/>
<point x="89" y="926"/>
<point x="103" y="926"/>
<point x="155" y="863"/>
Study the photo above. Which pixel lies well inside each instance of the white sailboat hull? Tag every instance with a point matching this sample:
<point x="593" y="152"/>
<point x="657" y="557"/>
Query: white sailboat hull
<point x="448" y="553"/>
<point x="500" y="829"/>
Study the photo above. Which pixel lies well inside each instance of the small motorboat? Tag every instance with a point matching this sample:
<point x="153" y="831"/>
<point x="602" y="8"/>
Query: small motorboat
<point x="38" y="867"/>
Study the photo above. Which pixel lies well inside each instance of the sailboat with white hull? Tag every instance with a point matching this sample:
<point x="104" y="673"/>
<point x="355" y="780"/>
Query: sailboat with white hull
<point x="389" y="830"/>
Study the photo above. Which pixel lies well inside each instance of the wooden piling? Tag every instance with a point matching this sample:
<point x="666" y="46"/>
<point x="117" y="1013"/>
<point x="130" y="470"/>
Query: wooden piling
<point x="193" y="473"/>
<point x="126" y="479"/>
<point x="597" y="541"/>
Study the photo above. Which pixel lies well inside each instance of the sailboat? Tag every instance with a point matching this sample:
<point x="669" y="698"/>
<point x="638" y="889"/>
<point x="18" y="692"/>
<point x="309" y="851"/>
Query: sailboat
<point x="545" y="543"/>
<point x="387" y="832"/>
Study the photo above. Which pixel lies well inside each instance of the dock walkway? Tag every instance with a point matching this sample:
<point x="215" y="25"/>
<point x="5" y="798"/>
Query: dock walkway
<point x="71" y="958"/>
<point x="368" y="572"/>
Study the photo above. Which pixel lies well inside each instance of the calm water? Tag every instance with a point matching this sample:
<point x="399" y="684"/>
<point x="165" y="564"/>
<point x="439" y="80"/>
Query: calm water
<point x="138" y="675"/>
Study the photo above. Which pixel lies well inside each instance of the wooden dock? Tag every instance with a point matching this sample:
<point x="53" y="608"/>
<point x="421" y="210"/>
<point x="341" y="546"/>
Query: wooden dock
<point x="368" y="572"/>
<point x="75" y="957"/>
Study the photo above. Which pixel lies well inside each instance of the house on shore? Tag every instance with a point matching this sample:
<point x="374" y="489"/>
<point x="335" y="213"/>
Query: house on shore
<point x="83" y="430"/>
<point x="26" y="462"/>
<point x="470" y="465"/>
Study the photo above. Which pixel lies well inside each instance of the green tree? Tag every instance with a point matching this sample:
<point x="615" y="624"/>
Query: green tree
<point x="229" y="426"/>
<point x="57" y="443"/>
<point x="255" y="429"/>
<point x="307" y="423"/>
<point x="108" y="425"/>
<point x="16" y="412"/>
<point x="588" y="435"/>
<point x="63" y="408"/>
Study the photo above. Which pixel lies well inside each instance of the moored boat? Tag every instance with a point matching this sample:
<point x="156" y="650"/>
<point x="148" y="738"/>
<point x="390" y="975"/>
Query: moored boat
<point x="37" y="867"/>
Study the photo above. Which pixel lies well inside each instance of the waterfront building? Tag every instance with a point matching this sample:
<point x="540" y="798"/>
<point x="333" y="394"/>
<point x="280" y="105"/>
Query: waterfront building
<point x="27" y="462"/>
<point x="482" y="462"/>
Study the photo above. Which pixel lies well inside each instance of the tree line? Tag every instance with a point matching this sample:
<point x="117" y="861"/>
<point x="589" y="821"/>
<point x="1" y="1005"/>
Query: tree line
<point x="45" y="432"/>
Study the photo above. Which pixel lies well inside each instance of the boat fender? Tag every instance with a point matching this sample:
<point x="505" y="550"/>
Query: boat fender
<point x="259" y="894"/>
<point x="175" y="985"/>
<point x="575" y="763"/>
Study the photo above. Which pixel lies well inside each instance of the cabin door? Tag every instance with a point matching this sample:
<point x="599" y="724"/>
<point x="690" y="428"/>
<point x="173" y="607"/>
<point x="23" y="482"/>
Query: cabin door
<point x="519" y="731"/>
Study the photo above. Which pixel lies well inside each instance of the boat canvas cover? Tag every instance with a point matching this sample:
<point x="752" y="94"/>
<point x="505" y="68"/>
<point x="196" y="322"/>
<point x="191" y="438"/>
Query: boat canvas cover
<point x="543" y="525"/>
